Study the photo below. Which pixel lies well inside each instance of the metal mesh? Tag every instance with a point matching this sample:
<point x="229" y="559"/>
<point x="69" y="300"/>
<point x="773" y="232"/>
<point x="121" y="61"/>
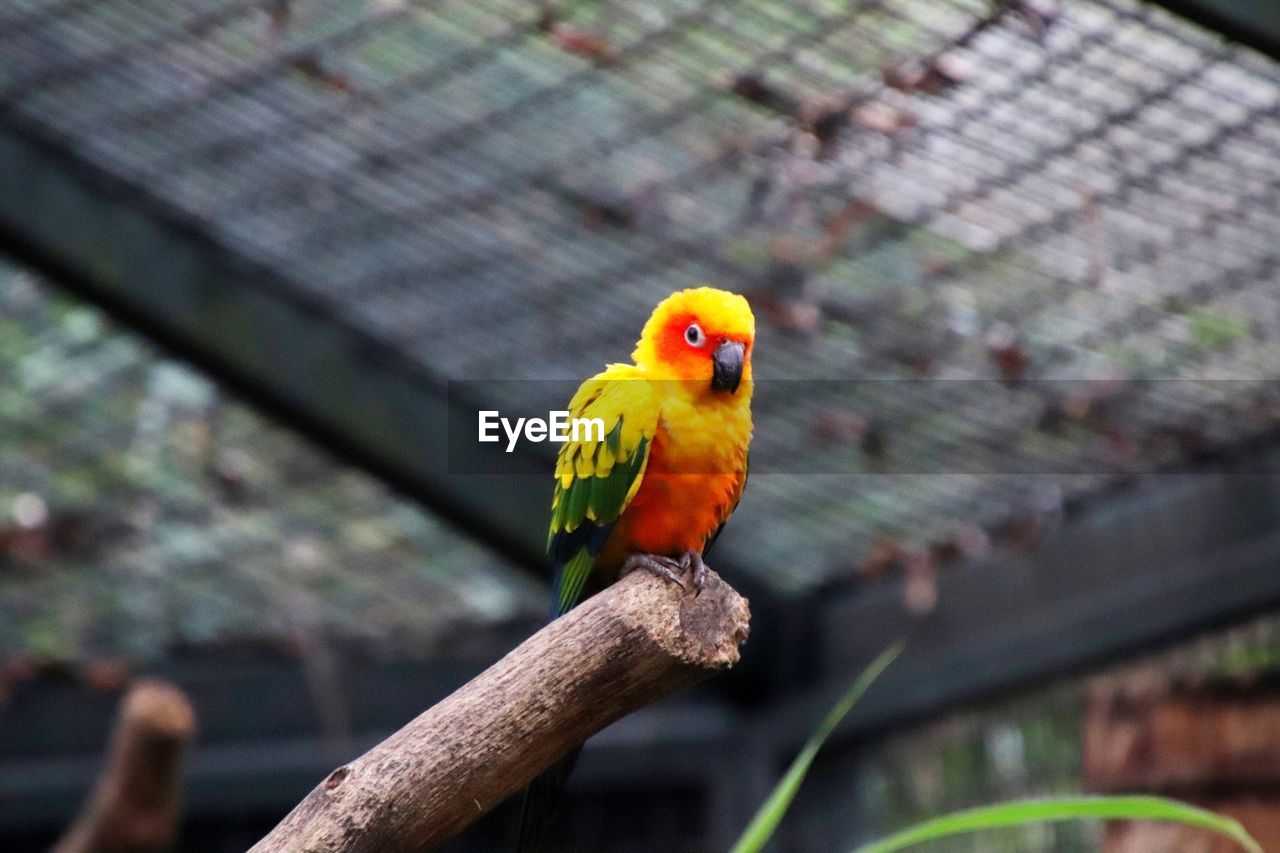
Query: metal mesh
<point x="145" y="510"/>
<point x="905" y="189"/>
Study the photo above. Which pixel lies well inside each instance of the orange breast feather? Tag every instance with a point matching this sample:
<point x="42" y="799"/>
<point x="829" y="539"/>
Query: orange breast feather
<point x="673" y="511"/>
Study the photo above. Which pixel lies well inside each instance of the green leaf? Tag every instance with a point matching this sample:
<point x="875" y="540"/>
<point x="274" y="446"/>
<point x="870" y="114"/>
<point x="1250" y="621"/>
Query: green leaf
<point x="1059" y="809"/>
<point x="766" y="820"/>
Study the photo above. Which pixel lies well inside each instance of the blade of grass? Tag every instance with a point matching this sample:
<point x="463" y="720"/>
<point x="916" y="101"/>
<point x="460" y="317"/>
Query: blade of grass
<point x="767" y="818"/>
<point x="1060" y="809"/>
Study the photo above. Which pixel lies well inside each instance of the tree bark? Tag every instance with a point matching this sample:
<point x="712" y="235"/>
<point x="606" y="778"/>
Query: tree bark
<point x="135" y="804"/>
<point x="636" y="641"/>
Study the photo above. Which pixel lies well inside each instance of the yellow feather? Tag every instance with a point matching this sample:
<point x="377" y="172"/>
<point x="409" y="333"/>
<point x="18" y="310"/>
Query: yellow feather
<point x="620" y="392"/>
<point x="582" y="465"/>
<point x="604" y="460"/>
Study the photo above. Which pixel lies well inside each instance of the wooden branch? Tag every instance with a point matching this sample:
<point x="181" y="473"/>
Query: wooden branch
<point x="636" y="641"/>
<point x="135" y="804"/>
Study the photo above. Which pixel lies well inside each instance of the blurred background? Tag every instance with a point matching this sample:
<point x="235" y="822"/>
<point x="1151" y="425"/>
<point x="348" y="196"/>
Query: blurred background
<point x="246" y="246"/>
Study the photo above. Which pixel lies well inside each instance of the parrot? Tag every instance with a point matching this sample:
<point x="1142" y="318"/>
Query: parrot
<point x="652" y="492"/>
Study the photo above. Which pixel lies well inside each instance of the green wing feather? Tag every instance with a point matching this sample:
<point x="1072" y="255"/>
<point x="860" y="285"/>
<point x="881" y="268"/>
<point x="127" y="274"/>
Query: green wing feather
<point x="596" y="479"/>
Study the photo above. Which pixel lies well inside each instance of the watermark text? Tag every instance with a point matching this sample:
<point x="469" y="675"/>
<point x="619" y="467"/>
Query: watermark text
<point x="558" y="427"/>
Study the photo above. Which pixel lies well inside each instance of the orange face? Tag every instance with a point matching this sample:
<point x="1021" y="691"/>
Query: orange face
<point x="695" y="349"/>
<point x="701" y="335"/>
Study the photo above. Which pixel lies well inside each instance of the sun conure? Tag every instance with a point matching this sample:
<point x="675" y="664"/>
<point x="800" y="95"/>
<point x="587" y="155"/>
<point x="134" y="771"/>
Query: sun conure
<point x="655" y="492"/>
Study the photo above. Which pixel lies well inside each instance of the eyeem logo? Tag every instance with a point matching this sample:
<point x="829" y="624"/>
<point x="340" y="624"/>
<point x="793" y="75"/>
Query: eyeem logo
<point x="559" y="427"/>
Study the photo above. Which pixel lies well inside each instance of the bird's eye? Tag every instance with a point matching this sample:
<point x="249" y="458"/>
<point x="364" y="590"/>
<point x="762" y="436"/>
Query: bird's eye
<point x="694" y="335"/>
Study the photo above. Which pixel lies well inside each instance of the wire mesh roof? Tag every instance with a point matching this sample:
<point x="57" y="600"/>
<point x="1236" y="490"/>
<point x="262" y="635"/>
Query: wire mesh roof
<point x="145" y="509"/>
<point x="906" y="189"/>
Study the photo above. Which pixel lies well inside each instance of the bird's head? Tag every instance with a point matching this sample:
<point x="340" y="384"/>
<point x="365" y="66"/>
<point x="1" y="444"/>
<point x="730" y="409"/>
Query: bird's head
<point x="701" y="336"/>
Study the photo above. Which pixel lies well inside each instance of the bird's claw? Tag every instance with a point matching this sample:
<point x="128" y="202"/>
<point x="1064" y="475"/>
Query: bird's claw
<point x="655" y="564"/>
<point x="692" y="560"/>
<point x="670" y="570"/>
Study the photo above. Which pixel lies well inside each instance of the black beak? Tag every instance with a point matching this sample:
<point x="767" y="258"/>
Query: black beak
<point x="727" y="362"/>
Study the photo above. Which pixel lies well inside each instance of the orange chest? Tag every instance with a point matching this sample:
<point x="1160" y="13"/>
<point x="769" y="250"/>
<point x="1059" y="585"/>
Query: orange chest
<point x="677" y="508"/>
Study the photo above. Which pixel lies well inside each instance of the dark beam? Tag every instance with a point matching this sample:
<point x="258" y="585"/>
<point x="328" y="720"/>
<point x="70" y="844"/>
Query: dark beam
<point x="1253" y="23"/>
<point x="1181" y="554"/>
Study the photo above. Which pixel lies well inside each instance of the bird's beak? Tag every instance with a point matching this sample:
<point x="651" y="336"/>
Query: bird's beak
<point x="727" y="366"/>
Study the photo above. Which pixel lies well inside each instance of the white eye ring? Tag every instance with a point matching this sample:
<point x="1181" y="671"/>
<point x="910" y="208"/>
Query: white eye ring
<point x="694" y="335"/>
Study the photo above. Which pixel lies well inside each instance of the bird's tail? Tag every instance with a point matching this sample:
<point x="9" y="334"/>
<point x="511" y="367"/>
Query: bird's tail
<point x="541" y="799"/>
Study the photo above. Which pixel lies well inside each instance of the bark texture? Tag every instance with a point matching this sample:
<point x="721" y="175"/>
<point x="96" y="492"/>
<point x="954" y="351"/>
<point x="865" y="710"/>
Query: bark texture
<point x="637" y="641"/>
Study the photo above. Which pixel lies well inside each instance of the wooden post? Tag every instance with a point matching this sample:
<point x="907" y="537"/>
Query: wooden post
<point x="637" y="641"/>
<point x="135" y="804"/>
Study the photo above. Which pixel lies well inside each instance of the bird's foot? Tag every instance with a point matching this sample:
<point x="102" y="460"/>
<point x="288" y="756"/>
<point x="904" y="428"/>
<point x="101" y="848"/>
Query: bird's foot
<point x="664" y="567"/>
<point x="692" y="561"/>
